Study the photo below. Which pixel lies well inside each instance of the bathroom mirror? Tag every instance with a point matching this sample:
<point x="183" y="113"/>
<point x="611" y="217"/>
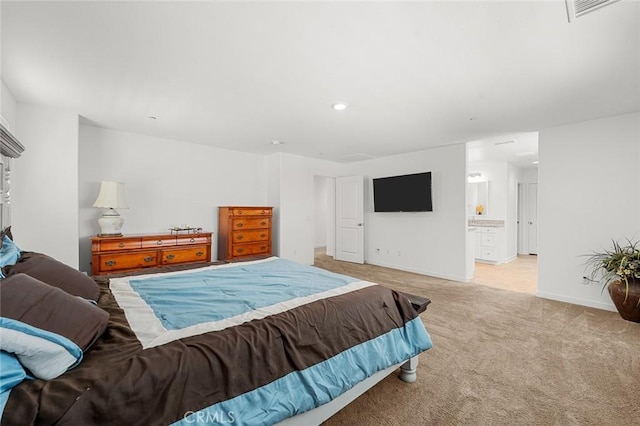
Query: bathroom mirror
<point x="477" y="198"/>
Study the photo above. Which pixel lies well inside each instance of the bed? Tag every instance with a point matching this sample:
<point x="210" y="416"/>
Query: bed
<point x="252" y="343"/>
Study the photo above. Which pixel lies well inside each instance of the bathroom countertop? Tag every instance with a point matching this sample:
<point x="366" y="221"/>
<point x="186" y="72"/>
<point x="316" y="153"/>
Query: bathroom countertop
<point x="494" y="223"/>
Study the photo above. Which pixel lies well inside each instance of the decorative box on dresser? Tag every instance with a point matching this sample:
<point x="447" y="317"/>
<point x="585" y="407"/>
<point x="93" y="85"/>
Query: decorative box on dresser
<point x="244" y="232"/>
<point x="133" y="252"/>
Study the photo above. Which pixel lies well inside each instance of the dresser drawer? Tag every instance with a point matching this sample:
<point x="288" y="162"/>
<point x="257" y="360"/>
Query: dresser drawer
<point x="148" y="242"/>
<point x="251" y="212"/>
<point x="250" y="249"/>
<point x="122" y="261"/>
<point x="250" y="236"/>
<point x="120" y="245"/>
<point x="184" y="255"/>
<point x="253" y="223"/>
<point x="191" y="239"/>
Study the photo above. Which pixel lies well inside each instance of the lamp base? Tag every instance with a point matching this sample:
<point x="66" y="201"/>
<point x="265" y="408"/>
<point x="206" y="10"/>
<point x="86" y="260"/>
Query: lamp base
<point x="110" y="224"/>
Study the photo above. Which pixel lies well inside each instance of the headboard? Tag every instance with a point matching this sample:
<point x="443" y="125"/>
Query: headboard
<point x="10" y="148"/>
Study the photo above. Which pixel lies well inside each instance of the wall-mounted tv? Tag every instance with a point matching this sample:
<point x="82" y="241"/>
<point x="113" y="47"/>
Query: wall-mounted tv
<point x="406" y="193"/>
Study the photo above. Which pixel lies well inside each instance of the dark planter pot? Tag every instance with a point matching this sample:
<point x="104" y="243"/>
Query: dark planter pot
<point x="629" y="308"/>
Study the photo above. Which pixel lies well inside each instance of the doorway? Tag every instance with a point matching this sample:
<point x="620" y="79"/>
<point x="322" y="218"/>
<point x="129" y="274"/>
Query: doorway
<point x="324" y="215"/>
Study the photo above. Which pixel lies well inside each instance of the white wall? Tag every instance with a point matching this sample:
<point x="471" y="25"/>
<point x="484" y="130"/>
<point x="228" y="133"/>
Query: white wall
<point x="45" y="183"/>
<point x="167" y="182"/>
<point x="588" y="186"/>
<point x="273" y="198"/>
<point x="8" y="106"/>
<point x="431" y="243"/>
<point x="320" y="209"/>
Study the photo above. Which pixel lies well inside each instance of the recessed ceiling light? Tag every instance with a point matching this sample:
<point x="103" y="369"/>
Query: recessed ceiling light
<point x="340" y="106"/>
<point x="277" y="143"/>
<point x="534" y="162"/>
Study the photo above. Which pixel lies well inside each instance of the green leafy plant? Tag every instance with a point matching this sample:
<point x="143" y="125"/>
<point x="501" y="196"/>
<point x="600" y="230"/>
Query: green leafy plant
<point x="621" y="263"/>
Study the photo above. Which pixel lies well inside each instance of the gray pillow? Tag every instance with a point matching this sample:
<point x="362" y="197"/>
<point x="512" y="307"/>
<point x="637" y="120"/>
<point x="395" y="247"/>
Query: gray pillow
<point x="28" y="300"/>
<point x="54" y="273"/>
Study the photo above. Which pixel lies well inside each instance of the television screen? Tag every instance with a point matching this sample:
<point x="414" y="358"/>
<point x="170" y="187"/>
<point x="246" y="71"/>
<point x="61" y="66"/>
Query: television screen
<point x="406" y="193"/>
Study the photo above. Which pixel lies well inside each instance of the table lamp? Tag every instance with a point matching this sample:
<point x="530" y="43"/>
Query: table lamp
<point x="111" y="197"/>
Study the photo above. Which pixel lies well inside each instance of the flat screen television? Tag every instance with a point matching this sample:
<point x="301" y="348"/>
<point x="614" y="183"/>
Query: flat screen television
<point x="406" y="193"/>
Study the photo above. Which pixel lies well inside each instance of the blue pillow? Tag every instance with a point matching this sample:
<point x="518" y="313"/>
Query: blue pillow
<point x="47" y="355"/>
<point x="11" y="371"/>
<point x="9" y="253"/>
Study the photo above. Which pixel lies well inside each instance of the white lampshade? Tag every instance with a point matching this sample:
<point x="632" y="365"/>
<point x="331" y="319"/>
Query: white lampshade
<point x="111" y="196"/>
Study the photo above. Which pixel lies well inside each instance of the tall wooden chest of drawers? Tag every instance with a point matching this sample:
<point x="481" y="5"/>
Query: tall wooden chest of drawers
<point x="132" y="252"/>
<point x="244" y="232"/>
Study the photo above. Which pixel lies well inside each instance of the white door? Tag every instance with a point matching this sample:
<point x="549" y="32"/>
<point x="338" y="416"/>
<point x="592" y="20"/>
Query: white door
<point x="532" y="223"/>
<point x="350" y="219"/>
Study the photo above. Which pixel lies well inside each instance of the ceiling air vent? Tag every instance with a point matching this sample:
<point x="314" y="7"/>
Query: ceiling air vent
<point x="577" y="8"/>
<point x="355" y="157"/>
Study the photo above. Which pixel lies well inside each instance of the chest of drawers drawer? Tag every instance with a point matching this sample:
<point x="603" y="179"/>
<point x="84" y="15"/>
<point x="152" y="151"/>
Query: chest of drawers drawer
<point x="251" y="211"/>
<point x="249" y="236"/>
<point x="253" y="223"/>
<point x="250" y="249"/>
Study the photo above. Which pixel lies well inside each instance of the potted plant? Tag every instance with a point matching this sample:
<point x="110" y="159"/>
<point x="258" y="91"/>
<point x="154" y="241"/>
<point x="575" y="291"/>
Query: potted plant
<point x="618" y="269"/>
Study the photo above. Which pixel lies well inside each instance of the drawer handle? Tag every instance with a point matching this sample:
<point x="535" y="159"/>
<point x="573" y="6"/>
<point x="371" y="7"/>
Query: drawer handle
<point x="240" y="225"/>
<point x="170" y="256"/>
<point x="264" y="211"/>
<point x="263" y="247"/>
<point x="159" y="242"/>
<point x="148" y="259"/>
<point x="263" y="235"/>
<point x="240" y="250"/>
<point x="120" y="245"/>
<point x="263" y="223"/>
<point x="200" y="253"/>
<point x="240" y="237"/>
<point x="192" y="240"/>
<point x="239" y="211"/>
<point x="110" y="262"/>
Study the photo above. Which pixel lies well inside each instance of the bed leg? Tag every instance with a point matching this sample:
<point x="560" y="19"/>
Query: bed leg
<point x="408" y="370"/>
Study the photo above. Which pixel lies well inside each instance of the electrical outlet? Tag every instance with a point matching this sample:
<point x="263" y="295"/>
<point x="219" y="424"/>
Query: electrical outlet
<point x="377" y="251"/>
<point x="399" y="253"/>
<point x="387" y="251"/>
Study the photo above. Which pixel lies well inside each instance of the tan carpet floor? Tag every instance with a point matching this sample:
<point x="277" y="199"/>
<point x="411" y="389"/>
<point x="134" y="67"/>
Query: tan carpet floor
<point x="504" y="358"/>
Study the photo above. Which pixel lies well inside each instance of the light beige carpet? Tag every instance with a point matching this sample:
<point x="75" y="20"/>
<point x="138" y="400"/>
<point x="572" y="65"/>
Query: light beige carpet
<point x="504" y="358"/>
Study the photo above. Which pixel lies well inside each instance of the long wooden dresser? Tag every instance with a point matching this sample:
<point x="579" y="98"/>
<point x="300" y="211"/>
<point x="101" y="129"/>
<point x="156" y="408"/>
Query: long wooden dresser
<point x="244" y="232"/>
<point x="132" y="252"/>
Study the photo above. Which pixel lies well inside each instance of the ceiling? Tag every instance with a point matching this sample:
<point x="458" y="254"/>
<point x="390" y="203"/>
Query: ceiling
<point x="519" y="149"/>
<point x="239" y="75"/>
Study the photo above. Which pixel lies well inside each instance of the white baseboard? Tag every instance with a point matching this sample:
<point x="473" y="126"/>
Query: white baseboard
<point x="577" y="301"/>
<point x="418" y="271"/>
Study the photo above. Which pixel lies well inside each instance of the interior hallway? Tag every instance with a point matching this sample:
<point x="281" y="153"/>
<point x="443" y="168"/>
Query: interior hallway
<point x="521" y="274"/>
